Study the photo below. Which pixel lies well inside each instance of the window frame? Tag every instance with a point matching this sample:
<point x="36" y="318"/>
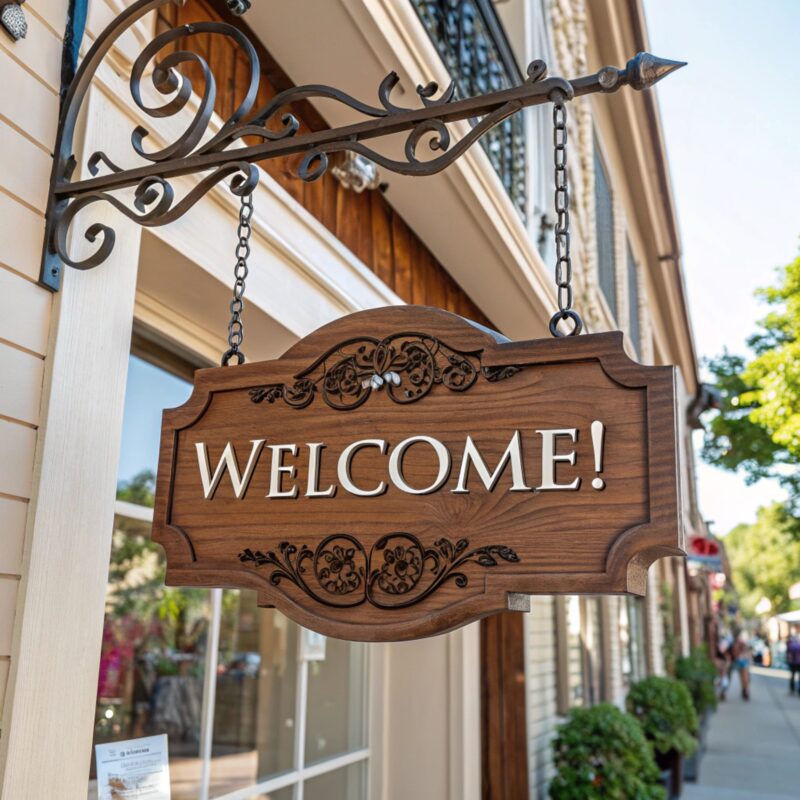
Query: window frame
<point x="593" y="670"/>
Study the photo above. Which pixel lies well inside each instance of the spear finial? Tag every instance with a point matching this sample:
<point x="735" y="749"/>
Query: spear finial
<point x="645" y="69"/>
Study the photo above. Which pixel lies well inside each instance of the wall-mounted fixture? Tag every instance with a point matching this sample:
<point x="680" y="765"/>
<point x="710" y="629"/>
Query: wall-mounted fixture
<point x="239" y="7"/>
<point x="12" y="18"/>
<point x="357" y="173"/>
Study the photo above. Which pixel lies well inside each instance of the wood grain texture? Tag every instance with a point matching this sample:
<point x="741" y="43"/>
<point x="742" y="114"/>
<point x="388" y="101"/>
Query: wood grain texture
<point x="564" y="541"/>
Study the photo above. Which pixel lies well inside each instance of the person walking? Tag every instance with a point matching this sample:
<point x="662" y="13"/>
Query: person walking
<point x="724" y="666"/>
<point x="793" y="661"/>
<point x="741" y="653"/>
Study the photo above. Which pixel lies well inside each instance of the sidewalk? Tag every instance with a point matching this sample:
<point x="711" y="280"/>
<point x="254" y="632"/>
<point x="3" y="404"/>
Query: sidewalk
<point x="753" y="749"/>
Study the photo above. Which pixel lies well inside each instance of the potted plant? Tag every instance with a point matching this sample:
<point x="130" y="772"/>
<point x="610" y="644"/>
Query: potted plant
<point x="601" y="754"/>
<point x="698" y="673"/>
<point x="664" y="708"/>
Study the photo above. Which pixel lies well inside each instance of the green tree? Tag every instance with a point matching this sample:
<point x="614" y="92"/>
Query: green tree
<point x="757" y="426"/>
<point x="765" y="559"/>
<point x="140" y="489"/>
<point x="137" y="571"/>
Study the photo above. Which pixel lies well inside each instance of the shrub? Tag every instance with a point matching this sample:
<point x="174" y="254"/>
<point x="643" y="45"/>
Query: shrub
<point x="699" y="673"/>
<point x="602" y="754"/>
<point x="664" y="708"/>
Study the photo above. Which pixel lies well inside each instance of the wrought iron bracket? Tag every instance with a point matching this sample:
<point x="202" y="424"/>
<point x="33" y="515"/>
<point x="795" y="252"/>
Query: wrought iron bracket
<point x="225" y="155"/>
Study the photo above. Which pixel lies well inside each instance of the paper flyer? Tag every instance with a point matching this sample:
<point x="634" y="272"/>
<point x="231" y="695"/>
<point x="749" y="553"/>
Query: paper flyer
<point x="137" y="769"/>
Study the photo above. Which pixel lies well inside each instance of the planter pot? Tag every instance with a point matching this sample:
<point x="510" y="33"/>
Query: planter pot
<point x="672" y="763"/>
<point x="691" y="766"/>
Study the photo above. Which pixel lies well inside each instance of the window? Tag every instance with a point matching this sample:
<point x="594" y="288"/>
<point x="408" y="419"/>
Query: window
<point x="592" y="649"/>
<point x="633" y="302"/>
<point x="474" y="47"/>
<point x="632" y="639"/>
<point x="253" y="704"/>
<point x="579" y="652"/>
<point x="604" y="228"/>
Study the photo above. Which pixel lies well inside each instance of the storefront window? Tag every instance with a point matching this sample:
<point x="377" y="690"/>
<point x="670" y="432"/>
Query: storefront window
<point x="632" y="639"/>
<point x="579" y="652"/>
<point x="593" y="649"/>
<point x="253" y="705"/>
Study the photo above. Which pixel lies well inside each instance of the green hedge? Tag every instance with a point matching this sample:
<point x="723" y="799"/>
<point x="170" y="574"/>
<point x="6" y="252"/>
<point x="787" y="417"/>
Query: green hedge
<point x="601" y="754"/>
<point x="699" y="673"/>
<point x="664" y="708"/>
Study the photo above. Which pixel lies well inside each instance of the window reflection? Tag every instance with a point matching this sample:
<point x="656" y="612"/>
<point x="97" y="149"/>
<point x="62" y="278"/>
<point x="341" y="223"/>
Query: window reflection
<point x="153" y="651"/>
<point x="256" y="694"/>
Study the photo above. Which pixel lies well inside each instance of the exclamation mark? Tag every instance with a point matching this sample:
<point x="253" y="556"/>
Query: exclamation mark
<point x="598" y="433"/>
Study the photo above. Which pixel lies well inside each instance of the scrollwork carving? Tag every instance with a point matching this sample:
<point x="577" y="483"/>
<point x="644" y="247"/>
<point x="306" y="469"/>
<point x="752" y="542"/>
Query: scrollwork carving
<point x="397" y="572"/>
<point x="406" y="365"/>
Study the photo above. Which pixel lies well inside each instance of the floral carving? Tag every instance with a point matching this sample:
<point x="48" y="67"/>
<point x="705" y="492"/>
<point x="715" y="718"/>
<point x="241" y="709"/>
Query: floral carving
<point x="397" y="572"/>
<point x="406" y="365"/>
<point x="336" y="570"/>
<point x="401" y="569"/>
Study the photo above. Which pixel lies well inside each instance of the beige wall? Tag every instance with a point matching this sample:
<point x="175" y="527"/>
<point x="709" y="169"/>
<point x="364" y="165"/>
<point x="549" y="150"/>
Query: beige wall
<point x="29" y="83"/>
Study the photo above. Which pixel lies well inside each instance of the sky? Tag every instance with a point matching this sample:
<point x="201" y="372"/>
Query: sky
<point x="148" y="392"/>
<point x="732" y="127"/>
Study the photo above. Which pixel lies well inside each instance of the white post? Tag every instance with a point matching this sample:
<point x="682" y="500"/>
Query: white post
<point x="48" y="717"/>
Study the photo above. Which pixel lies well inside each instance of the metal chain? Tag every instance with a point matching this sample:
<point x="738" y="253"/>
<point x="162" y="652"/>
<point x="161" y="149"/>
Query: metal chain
<point x="563" y="257"/>
<point x="236" y="326"/>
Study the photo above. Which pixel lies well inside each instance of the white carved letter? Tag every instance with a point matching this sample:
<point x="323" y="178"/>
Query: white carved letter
<point x="239" y="482"/>
<point x="396" y="464"/>
<point x="513" y="453"/>
<point x="278" y="470"/>
<point x="550" y="459"/>
<point x="343" y="467"/>
<point x="314" y="453"/>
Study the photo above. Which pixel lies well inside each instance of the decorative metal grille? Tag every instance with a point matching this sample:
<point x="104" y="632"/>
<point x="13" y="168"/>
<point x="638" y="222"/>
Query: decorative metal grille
<point x="474" y="48"/>
<point x="604" y="219"/>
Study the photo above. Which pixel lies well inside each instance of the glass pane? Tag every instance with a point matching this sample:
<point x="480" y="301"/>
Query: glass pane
<point x="636" y="613"/>
<point x="593" y="641"/>
<point x="254" y="720"/>
<point x="604" y="228"/>
<point x="348" y="783"/>
<point x="337" y="692"/>
<point x="148" y="392"/>
<point x="154" y="638"/>
<point x="625" y="642"/>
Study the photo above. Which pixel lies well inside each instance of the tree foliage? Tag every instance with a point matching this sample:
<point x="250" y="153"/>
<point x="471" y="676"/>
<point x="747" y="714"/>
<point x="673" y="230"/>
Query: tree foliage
<point x="136" y="578"/>
<point x="757" y="426"/>
<point x="765" y="559"/>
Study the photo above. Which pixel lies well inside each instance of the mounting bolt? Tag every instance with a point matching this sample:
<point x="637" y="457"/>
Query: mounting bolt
<point x="12" y="18"/>
<point x="238" y="7"/>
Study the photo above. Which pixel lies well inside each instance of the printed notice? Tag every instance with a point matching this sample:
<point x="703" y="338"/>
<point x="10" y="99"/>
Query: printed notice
<point x="134" y="770"/>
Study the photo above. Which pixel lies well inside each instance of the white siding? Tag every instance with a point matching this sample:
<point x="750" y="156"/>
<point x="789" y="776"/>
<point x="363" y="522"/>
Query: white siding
<point x="31" y="70"/>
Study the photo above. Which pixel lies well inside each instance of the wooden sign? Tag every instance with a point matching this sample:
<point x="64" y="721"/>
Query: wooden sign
<point x="401" y="472"/>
